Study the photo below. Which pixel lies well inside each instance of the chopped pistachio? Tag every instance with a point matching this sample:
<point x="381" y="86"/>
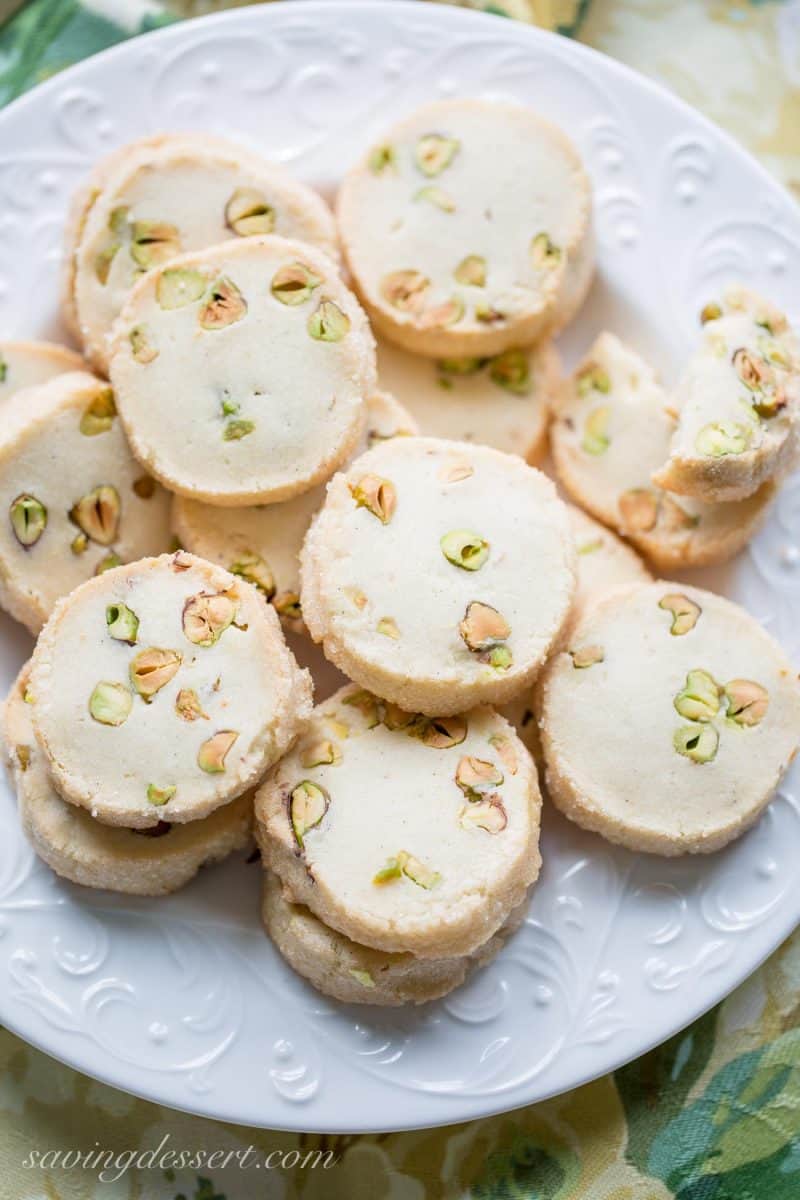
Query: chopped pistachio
<point x="103" y="261"/>
<point x="710" y="312"/>
<point x="483" y="626"/>
<point x="392" y="870"/>
<point x="592" y="378"/>
<point x="720" y="438"/>
<point x="235" y="430"/>
<point x="697" y="742"/>
<point x="747" y="701"/>
<point x="699" y="699"/>
<point x="595" y="431"/>
<point x="417" y="871"/>
<point x="144" y="487"/>
<point x="638" y="509"/>
<point x="142" y="348"/>
<point x="328" y="323"/>
<point x="308" y="804"/>
<point x="440" y="733"/>
<point x="294" y="283"/>
<point x="406" y="290"/>
<point x="23" y="754"/>
<point x="320" y="753"/>
<point x="388" y="627"/>
<point x="587" y="656"/>
<point x="499" y="657"/>
<point x="590" y="547"/>
<point x="247" y="213"/>
<point x="152" y="669"/>
<point x="98" y="416"/>
<point x="213" y="752"/>
<point x="511" y="371"/>
<point x="153" y="243"/>
<point x="464" y="549"/>
<point x="753" y="370"/>
<point x="224" y="305"/>
<point x="255" y="570"/>
<point x="377" y="495"/>
<point x="381" y="158"/>
<point x="489" y="815"/>
<point x="488" y="314"/>
<point x="119" y="220"/>
<point x="471" y="271"/>
<point x="362" y="977"/>
<point x="79" y="544"/>
<point x="122" y="623"/>
<point x="685" y="612"/>
<point x="438" y="198"/>
<point x="367" y="705"/>
<point x="461" y="366"/>
<point x="98" y="513"/>
<point x="288" y="606"/>
<point x="160" y="796"/>
<point x="544" y="252"/>
<point x="188" y="706"/>
<point x="505" y="748"/>
<point x="207" y="615"/>
<point x="110" y="703"/>
<point x="28" y="518"/>
<point x="434" y="152"/>
<point x="476" y="775"/>
<point x="108" y="563"/>
<point x="447" y="313"/>
<point x="395" y="717"/>
<point x="178" y="286"/>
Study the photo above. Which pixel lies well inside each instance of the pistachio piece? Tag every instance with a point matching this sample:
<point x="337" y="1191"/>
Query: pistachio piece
<point x="160" y="796"/>
<point x="103" y="261"/>
<point x="487" y="314"/>
<point x="225" y="305"/>
<point x="511" y="371"/>
<point x="110" y="703"/>
<point x="377" y="495"/>
<point x="293" y="284"/>
<point x="328" y="323"/>
<point x="142" y="348"/>
<point x="699" y="700"/>
<point x="188" y="706"/>
<point x="118" y="220"/>
<point x="152" y="669"/>
<point x="213" y="752"/>
<point x="339" y="728"/>
<point x="381" y="158"/>
<point x="489" y="815"/>
<point x="321" y="753"/>
<point x="438" y="198"/>
<point x="483" y="626"/>
<point x="144" y="487"/>
<point x="28" y="519"/>
<point x="477" y="775"/>
<point x="97" y="514"/>
<point x="471" y="271"/>
<point x="248" y="213"/>
<point x="505" y="748"/>
<point x="122" y="623"/>
<point x="595" y="431"/>
<point x="697" y="742"/>
<point x="685" y="612"/>
<point x="435" y="151"/>
<point x="747" y="701"/>
<point x="592" y="378"/>
<point x="587" y="656"/>
<point x="499" y="657"/>
<point x="395" y="717"/>
<point x="544" y="253"/>
<point x="153" y="243"/>
<point x="405" y="290"/>
<point x="362" y="977"/>
<point x="23" y="754"/>
<point x="464" y="549"/>
<point x="108" y="563"/>
<point x="387" y="873"/>
<point x="754" y="371"/>
<point x="388" y="627"/>
<point x="590" y="547"/>
<point x="440" y="733"/>
<point x="79" y="544"/>
<point x="287" y="605"/>
<point x="720" y="438"/>
<point x="99" y="414"/>
<point x="638" y="510"/>
<point x="461" y="366"/>
<point x="178" y="286"/>
<point x="367" y="705"/>
<point x="417" y="871"/>
<point x="234" y="431"/>
<point x="447" y="313"/>
<point x="710" y="312"/>
<point x="207" y="615"/>
<point x="307" y="806"/>
<point x="256" y="571"/>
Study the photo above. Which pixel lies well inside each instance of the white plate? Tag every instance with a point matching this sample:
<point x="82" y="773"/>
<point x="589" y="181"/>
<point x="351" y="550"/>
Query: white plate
<point x="183" y="1000"/>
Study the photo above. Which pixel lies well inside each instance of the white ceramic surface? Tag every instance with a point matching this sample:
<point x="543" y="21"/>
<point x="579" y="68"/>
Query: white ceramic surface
<point x="183" y="1000"/>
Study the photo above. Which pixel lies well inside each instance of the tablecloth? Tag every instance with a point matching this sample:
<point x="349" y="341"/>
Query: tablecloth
<point x="714" y="1113"/>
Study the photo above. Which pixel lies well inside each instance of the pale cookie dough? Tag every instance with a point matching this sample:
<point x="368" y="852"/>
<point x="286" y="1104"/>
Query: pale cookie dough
<point x="139" y="863"/>
<point x="669" y="720"/>
<point x="162" y="690"/>
<point x="611" y="430"/>
<point x="738" y="409"/>
<point x="169" y="195"/>
<point x="267" y="360"/>
<point x="73" y="500"/>
<point x="357" y="974"/>
<point x="30" y="364"/>
<point x="467" y="229"/>
<point x="403" y="833"/>
<point x="263" y="543"/>
<point x="438" y="574"/>
<point x="502" y="401"/>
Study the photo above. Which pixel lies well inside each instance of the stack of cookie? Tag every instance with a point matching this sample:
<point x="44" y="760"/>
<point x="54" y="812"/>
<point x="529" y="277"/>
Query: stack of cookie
<point x="385" y="502"/>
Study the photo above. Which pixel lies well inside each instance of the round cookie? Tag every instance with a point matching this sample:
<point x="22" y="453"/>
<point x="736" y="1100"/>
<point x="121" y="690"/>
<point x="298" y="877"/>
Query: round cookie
<point x="30" y="364"/>
<point x="73" y="499"/>
<point x="82" y="850"/>
<point x="356" y="974"/>
<point x="162" y="690"/>
<point x="467" y="230"/>
<point x="267" y="359"/>
<point x="438" y="574"/>
<point x="403" y="833"/>
<point x="263" y="543"/>
<point x="611" y="429"/>
<point x="502" y="401"/>
<point x="738" y="410"/>
<point x="169" y="195"/>
<point x="669" y="720"/>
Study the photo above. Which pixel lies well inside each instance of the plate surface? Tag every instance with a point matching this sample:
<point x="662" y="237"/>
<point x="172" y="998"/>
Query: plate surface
<point x="183" y="1000"/>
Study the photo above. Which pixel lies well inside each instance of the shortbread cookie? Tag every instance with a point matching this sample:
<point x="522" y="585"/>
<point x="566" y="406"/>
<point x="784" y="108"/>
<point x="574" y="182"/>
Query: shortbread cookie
<point x="30" y="364"/>
<point x="74" y="499"/>
<point x="612" y="429"/>
<point x="438" y="574"/>
<point x="262" y="544"/>
<point x="467" y="229"/>
<point x="267" y="360"/>
<point x="140" y="863"/>
<point x="162" y="690"/>
<point x="357" y="974"/>
<point x="404" y="833"/>
<point x="669" y="720"/>
<point x="170" y="195"/>
<point x="502" y="401"/>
